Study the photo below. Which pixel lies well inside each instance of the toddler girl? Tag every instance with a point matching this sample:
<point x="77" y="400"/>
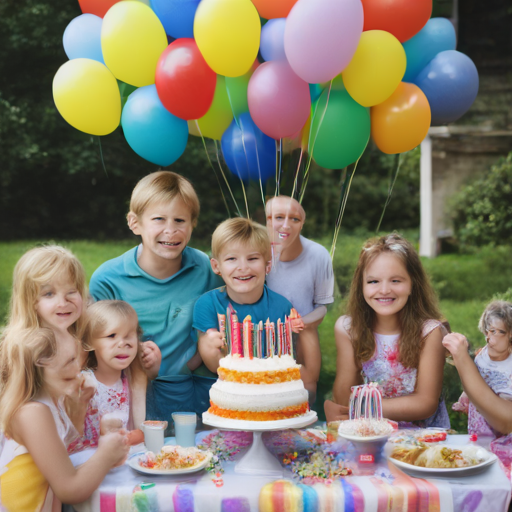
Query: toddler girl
<point x="392" y="335"/>
<point x="36" y="474"/>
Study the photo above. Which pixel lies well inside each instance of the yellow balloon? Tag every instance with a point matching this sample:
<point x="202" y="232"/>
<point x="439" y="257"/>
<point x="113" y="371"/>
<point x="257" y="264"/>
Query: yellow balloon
<point x="219" y="116"/>
<point x="227" y="33"/>
<point x="87" y="96"/>
<point x="132" y="40"/>
<point x="376" y="69"/>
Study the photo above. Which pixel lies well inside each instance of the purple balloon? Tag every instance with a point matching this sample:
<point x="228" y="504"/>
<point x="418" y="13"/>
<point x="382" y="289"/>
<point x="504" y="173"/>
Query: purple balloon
<point x="321" y="37"/>
<point x="279" y="101"/>
<point x="272" y="40"/>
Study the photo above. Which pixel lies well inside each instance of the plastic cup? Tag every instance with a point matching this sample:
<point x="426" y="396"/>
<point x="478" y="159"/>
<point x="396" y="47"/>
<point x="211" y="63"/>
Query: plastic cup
<point x="154" y="434"/>
<point x="185" y="428"/>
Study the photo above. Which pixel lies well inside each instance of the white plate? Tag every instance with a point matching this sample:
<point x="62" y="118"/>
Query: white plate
<point x="361" y="439"/>
<point x="257" y="426"/>
<point x="133" y="462"/>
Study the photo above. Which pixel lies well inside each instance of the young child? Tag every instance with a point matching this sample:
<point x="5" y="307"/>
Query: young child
<point x="241" y="256"/>
<point x="310" y="293"/>
<point x="161" y="279"/>
<point x="113" y="337"/>
<point x="36" y="474"/>
<point x="392" y="336"/>
<point x="488" y="381"/>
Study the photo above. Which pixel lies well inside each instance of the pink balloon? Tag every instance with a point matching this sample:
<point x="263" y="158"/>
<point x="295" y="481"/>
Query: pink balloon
<point x="321" y="37"/>
<point x="279" y="101"/>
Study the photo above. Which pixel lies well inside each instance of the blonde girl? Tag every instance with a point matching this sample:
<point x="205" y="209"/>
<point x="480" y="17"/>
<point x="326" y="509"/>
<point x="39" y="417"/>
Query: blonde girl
<point x="392" y="335"/>
<point x="36" y="474"/>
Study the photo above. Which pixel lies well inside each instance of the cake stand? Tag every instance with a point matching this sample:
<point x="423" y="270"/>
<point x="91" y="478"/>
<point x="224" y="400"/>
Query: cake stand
<point x="258" y="460"/>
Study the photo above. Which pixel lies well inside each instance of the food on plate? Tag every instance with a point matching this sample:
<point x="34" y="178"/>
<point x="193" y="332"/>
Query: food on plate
<point x="173" y="457"/>
<point x="363" y="427"/>
<point x="417" y="436"/>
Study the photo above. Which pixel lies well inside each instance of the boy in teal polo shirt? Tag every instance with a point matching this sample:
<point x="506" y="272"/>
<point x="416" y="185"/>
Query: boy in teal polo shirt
<point x="162" y="278"/>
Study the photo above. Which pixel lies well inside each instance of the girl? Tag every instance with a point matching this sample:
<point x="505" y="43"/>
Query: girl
<point x="392" y="335"/>
<point x="36" y="473"/>
<point x="488" y="381"/>
<point x="113" y="338"/>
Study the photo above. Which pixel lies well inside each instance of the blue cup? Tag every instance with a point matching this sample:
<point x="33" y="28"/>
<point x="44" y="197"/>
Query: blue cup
<point x="185" y="428"/>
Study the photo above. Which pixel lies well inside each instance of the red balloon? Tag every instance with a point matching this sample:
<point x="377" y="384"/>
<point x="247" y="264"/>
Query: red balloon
<point x="402" y="18"/>
<point x="97" y="7"/>
<point x="184" y="82"/>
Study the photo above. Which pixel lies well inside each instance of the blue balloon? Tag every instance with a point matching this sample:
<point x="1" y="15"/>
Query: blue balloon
<point x="438" y="35"/>
<point x="151" y="130"/>
<point x="82" y="38"/>
<point x="450" y="83"/>
<point x="248" y="152"/>
<point x="272" y="40"/>
<point x="177" y="16"/>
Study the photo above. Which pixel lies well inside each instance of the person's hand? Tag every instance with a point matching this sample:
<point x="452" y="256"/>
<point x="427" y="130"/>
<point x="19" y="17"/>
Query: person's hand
<point x="212" y="340"/>
<point x="150" y="358"/>
<point x="335" y="412"/>
<point x="462" y="405"/>
<point x="456" y="344"/>
<point x="297" y="325"/>
<point x="114" y="447"/>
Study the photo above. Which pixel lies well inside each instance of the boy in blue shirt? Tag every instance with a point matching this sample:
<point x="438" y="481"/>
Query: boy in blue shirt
<point x="241" y="256"/>
<point x="162" y="279"/>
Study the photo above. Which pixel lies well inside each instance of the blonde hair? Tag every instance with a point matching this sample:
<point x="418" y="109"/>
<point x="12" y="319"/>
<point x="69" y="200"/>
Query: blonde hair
<point x="241" y="230"/>
<point x="497" y="309"/>
<point x="22" y="361"/>
<point x="163" y="186"/>
<point x="34" y="269"/>
<point x="101" y="315"/>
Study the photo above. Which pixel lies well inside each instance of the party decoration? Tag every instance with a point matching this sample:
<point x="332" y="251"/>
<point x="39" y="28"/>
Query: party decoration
<point x="402" y="18"/>
<point x="151" y="130"/>
<point x="321" y="37"/>
<point x="132" y="39"/>
<point x="279" y="101"/>
<point x="184" y="82"/>
<point x="236" y="88"/>
<point x="270" y="9"/>
<point x="272" y="40"/>
<point x="82" y="38"/>
<point x="96" y="7"/>
<point x="177" y="16"/>
<point x="376" y="68"/>
<point x="438" y="35"/>
<point x="249" y="153"/>
<point x="340" y="130"/>
<point x="87" y="96"/>
<point x="450" y="83"/>
<point x="228" y="34"/>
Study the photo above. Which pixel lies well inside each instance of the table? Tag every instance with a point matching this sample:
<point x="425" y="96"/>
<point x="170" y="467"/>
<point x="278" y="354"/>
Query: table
<point x="375" y="487"/>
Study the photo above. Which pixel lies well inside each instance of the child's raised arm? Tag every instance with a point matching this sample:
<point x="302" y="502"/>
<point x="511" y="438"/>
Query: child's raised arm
<point x="210" y="345"/>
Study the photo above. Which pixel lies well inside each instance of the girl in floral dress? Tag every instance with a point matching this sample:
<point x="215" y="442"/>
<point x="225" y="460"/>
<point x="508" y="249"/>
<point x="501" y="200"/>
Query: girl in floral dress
<point x="392" y="336"/>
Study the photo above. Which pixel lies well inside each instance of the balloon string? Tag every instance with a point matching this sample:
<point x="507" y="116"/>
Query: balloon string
<point x="280" y="168"/>
<point x="101" y="157"/>
<point x="277" y="170"/>
<point x="297" y="172"/>
<point x="235" y="117"/>
<point x="398" y="162"/>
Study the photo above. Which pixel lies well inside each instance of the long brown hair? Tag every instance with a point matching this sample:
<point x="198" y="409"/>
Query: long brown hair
<point x="421" y="305"/>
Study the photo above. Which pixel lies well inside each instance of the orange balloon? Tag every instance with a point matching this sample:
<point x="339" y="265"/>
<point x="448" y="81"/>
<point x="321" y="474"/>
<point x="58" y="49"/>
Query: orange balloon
<point x="270" y="9"/>
<point x="401" y="122"/>
<point x="97" y="7"/>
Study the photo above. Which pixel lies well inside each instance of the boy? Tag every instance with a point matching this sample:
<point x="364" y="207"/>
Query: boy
<point x="241" y="255"/>
<point x="303" y="273"/>
<point x="162" y="278"/>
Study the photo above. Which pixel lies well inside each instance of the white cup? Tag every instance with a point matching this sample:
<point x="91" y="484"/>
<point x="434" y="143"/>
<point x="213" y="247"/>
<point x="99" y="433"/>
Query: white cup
<point x="154" y="434"/>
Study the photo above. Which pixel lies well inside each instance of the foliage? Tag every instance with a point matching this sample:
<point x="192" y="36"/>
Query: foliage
<point x="482" y="211"/>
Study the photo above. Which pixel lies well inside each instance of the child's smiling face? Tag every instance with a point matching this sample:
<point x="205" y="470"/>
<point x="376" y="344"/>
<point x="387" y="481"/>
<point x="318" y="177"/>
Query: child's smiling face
<point x="498" y="340"/>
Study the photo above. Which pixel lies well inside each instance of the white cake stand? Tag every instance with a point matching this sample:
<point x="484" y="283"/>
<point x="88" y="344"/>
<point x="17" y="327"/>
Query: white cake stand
<point x="258" y="460"/>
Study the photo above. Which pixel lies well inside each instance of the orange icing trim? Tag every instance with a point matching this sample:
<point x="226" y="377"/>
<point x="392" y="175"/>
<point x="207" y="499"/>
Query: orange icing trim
<point x="281" y="414"/>
<point x="271" y="377"/>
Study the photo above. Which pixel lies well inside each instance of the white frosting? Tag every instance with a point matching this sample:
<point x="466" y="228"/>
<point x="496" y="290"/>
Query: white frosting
<point x="245" y="364"/>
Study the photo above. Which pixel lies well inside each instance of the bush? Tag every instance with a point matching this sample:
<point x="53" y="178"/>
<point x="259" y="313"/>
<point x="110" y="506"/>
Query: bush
<point x="482" y="211"/>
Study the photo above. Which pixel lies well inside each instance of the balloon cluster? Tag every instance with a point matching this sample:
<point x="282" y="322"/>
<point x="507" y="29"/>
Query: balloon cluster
<point x="327" y="74"/>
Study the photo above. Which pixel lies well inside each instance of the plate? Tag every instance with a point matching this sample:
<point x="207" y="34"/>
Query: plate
<point x="361" y="439"/>
<point x="133" y="462"/>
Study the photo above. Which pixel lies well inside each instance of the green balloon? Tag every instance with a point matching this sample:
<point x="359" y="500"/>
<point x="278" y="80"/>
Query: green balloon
<point x="237" y="92"/>
<point x="338" y="137"/>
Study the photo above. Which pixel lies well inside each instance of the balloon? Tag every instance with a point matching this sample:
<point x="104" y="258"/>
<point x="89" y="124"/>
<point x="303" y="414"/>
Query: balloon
<point x="82" y="38"/>
<point x="269" y="9"/>
<point x="314" y="91"/>
<point x="279" y="101"/>
<point x="236" y="88"/>
<point x="402" y="18"/>
<point x="321" y="37"/>
<point x="125" y="90"/>
<point x="96" y="7"/>
<point x="249" y="153"/>
<point x="215" y="122"/>
<point x="340" y="132"/>
<point x="177" y="16"/>
<point x="376" y="69"/>
<point x="151" y="130"/>
<point x="438" y="35"/>
<point x="132" y="39"/>
<point x="450" y="83"/>
<point x="272" y="40"/>
<point x="228" y="34"/>
<point x="86" y="95"/>
<point x="185" y="83"/>
<point x="401" y="122"/>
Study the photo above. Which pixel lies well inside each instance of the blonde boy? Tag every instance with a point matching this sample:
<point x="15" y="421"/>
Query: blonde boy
<point x="162" y="278"/>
